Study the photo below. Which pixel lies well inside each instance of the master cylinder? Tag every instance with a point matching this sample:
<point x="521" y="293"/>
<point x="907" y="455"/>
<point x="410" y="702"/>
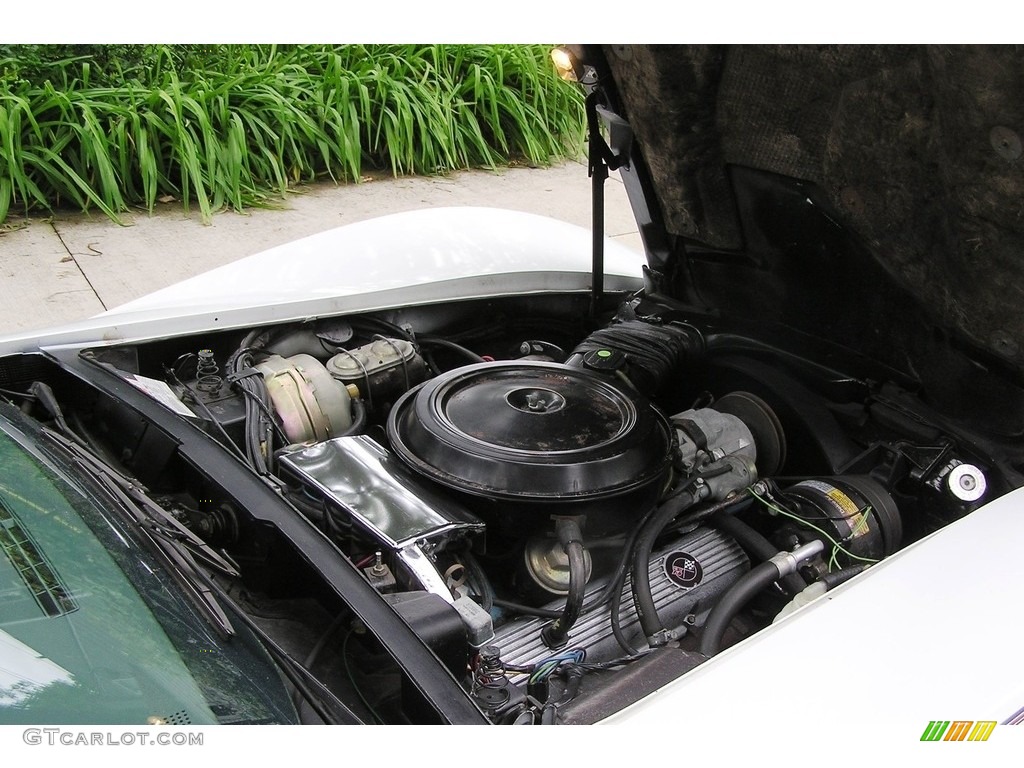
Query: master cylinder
<point x="383" y="370"/>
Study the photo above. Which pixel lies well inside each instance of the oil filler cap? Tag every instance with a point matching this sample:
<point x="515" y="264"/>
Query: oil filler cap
<point x="967" y="482"/>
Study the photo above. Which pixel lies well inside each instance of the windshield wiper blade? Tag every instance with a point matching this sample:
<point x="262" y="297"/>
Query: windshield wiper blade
<point x="180" y="555"/>
<point x="147" y="512"/>
<point x="180" y="547"/>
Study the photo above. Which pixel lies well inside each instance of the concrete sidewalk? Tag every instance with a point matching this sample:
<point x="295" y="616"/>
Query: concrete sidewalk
<point x="72" y="266"/>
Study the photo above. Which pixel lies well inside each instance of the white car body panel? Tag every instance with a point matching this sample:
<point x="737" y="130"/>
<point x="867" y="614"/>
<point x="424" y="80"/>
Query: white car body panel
<point x="405" y="259"/>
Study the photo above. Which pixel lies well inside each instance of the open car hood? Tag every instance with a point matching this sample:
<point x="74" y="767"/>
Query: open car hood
<point x="867" y="197"/>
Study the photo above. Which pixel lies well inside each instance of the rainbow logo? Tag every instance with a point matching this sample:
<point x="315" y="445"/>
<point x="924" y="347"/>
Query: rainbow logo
<point x="958" y="730"/>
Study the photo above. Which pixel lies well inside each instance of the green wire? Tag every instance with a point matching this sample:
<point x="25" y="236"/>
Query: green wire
<point x="836" y="545"/>
<point x="833" y="564"/>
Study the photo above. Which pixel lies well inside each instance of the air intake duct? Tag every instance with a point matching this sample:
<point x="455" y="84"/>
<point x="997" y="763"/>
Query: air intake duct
<point x="646" y="354"/>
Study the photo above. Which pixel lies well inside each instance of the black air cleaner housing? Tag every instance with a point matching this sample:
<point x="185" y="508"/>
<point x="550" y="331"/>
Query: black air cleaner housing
<point x="534" y="439"/>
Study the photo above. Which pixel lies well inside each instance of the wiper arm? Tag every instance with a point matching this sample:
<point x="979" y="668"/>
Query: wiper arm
<point x="182" y="550"/>
<point x="179" y="549"/>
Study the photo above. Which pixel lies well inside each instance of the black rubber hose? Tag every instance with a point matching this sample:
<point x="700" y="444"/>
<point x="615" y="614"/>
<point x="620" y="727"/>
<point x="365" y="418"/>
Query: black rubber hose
<point x="556" y="634"/>
<point x="468" y="354"/>
<point x="358" y="419"/>
<point x="758" y="547"/>
<point x="613" y="592"/>
<point x="732" y="603"/>
<point x="312" y="510"/>
<point x="653" y="629"/>
<point x="527" y="609"/>
<point x="613" y="611"/>
<point x="834" y="579"/>
<point x="621" y="568"/>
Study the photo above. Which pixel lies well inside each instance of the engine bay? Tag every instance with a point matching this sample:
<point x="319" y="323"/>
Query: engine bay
<point x="567" y="512"/>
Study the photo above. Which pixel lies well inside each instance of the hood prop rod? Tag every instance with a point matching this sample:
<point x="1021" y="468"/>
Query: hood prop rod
<point x="600" y="160"/>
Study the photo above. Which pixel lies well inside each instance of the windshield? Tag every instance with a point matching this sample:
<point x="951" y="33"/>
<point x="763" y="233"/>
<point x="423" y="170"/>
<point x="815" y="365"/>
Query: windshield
<point x="92" y="630"/>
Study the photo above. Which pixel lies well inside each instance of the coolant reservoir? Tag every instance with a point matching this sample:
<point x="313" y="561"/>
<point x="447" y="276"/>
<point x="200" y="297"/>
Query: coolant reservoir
<point x="310" y="403"/>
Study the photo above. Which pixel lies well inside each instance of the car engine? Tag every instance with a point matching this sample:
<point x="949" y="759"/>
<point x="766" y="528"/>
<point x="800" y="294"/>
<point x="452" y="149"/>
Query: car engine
<point x="567" y="513"/>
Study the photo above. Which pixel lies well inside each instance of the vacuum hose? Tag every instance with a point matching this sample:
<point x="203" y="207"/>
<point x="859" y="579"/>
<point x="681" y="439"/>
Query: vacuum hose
<point x="556" y="634"/>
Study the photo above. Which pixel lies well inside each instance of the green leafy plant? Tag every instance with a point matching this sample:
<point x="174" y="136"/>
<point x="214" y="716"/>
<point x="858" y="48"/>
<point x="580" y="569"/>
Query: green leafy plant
<point x="110" y="127"/>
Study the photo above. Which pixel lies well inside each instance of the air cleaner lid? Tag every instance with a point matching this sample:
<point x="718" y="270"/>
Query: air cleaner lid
<point x="530" y="431"/>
